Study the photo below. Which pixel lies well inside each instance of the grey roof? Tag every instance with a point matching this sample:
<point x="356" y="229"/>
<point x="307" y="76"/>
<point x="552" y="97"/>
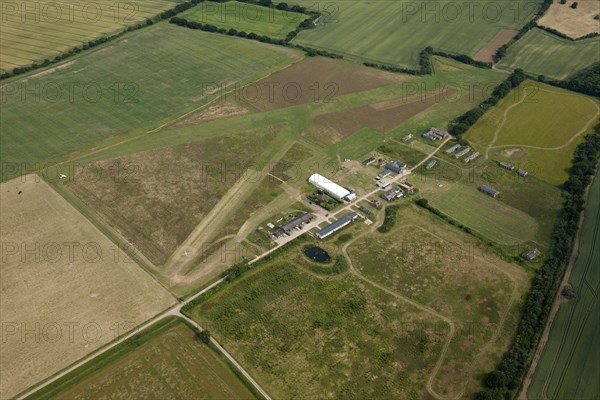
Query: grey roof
<point x="297" y="221"/>
<point x="431" y="164"/>
<point x="506" y="165"/>
<point x="383" y="173"/>
<point x="453" y="149"/>
<point x="522" y="172"/>
<point x="337" y="224"/>
<point x="488" y="190"/>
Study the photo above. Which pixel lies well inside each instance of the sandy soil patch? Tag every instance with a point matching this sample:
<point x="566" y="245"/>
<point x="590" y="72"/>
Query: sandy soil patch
<point x="487" y="53"/>
<point x="574" y="23"/>
<point x="218" y="110"/>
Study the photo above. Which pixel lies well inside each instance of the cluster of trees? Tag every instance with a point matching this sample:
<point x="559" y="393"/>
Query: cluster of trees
<point x="586" y="81"/>
<point x="96" y="42"/>
<point x="390" y="219"/>
<point x="462" y="123"/>
<point x="463" y="59"/>
<point x="506" y="378"/>
<point x="424" y="65"/>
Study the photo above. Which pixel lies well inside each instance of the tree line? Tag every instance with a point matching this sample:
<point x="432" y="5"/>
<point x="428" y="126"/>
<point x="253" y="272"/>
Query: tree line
<point x="462" y="123"/>
<point x="505" y="380"/>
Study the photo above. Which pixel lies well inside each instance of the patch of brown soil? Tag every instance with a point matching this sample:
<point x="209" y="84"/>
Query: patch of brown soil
<point x="327" y="129"/>
<point x="315" y="80"/>
<point x="489" y="50"/>
<point x="218" y="110"/>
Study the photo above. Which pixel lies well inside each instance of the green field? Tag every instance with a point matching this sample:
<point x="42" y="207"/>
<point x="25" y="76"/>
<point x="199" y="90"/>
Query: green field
<point x="536" y="127"/>
<point x="166" y="360"/>
<point x="568" y="367"/>
<point x="35" y="31"/>
<point x="541" y="53"/>
<point x="395" y="31"/>
<point x="126" y="87"/>
<point x="246" y="17"/>
<point x="302" y="335"/>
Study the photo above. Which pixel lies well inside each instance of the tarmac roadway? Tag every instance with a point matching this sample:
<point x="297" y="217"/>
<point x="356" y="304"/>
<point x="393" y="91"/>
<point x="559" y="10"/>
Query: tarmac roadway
<point x="321" y="216"/>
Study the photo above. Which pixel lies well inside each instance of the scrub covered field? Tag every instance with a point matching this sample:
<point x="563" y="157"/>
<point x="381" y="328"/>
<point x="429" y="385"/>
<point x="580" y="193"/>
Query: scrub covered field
<point x="66" y="290"/>
<point x="33" y="31"/>
<point x="395" y="31"/>
<point x="128" y="86"/>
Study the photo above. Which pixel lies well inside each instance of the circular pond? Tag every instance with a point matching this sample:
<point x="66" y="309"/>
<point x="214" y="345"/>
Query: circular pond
<point x="317" y="254"/>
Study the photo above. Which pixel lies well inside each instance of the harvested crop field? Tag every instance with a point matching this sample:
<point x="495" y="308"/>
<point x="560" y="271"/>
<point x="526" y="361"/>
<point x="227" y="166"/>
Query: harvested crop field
<point x="574" y="23"/>
<point x="166" y="192"/>
<point x="316" y="79"/>
<point x="164" y="361"/>
<point x="34" y="31"/>
<point x="72" y="293"/>
<point x="487" y="53"/>
<point x="330" y="128"/>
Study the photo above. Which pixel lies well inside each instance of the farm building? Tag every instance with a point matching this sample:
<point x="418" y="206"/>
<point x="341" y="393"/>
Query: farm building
<point x="506" y="165"/>
<point x="299" y="221"/>
<point x="471" y="157"/>
<point x="368" y="161"/>
<point x="431" y="164"/>
<point x="406" y="187"/>
<point x="522" y="172"/>
<point x="395" y="166"/>
<point x="489" y="191"/>
<point x="383" y="174"/>
<point x="435" y="134"/>
<point x="365" y="210"/>
<point x="452" y="149"/>
<point x="389" y="195"/>
<point x="407" y="137"/>
<point x="331" y="188"/>
<point x="462" y="153"/>
<point x="375" y="203"/>
<point x="530" y="254"/>
<point x="384" y="184"/>
<point x="336" y="226"/>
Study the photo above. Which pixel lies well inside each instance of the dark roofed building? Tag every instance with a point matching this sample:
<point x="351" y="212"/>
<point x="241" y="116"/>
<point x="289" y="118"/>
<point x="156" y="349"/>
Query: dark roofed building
<point x="303" y="219"/>
<point x="364" y="209"/>
<point x="489" y="191"/>
<point x="506" y="165"/>
<point x="369" y="161"/>
<point x="389" y="195"/>
<point x="395" y="166"/>
<point x="522" y="172"/>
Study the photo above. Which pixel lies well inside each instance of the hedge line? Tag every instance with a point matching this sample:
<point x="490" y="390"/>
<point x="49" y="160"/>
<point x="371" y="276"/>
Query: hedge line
<point x="586" y="81"/>
<point x="462" y="123"/>
<point x="504" y="381"/>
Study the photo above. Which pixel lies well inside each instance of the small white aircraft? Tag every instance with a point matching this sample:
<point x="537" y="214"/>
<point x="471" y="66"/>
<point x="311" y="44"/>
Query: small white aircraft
<point x="62" y="176"/>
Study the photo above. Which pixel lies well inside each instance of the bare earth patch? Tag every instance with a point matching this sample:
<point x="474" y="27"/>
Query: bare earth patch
<point x="330" y="128"/>
<point x="315" y="79"/>
<point x="487" y="53"/>
<point x="574" y="23"/>
<point x="217" y="110"/>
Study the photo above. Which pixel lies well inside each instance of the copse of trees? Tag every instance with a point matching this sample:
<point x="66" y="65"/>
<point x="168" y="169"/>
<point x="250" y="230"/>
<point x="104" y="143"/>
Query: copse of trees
<point x="505" y="380"/>
<point x="462" y="123"/>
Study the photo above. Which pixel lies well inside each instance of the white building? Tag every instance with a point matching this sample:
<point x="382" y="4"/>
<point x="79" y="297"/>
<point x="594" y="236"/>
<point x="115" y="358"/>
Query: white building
<point x="331" y="188"/>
